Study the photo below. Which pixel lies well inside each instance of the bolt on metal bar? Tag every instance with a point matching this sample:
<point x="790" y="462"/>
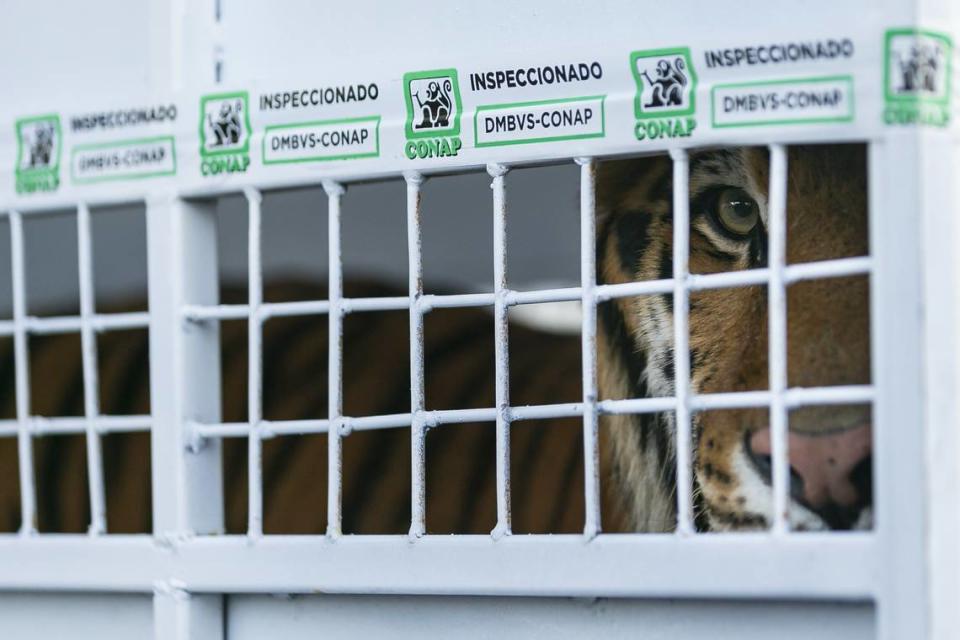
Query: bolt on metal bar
<point x="681" y="338"/>
<point x="91" y="405"/>
<point x="28" y="495"/>
<point x="254" y="355"/>
<point x="777" y="329"/>
<point x="588" y="282"/>
<point x="501" y="348"/>
<point x="334" y="193"/>
<point x="417" y="395"/>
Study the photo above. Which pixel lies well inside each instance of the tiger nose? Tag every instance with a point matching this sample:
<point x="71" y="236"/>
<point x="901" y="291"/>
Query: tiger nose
<point x="830" y="472"/>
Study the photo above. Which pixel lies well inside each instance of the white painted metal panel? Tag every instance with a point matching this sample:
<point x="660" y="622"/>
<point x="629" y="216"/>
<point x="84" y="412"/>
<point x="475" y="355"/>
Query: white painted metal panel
<point x="232" y="57"/>
<point x="253" y="617"/>
<point x="79" y="616"/>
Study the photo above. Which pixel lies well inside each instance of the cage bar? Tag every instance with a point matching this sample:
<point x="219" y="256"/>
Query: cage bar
<point x="51" y="325"/>
<point x="418" y="497"/>
<point x="254" y="373"/>
<point x="91" y="404"/>
<point x="793" y="398"/>
<point x="777" y="328"/>
<point x="681" y="339"/>
<point x="28" y="494"/>
<point x="501" y="344"/>
<point x="334" y="193"/>
<point x="588" y="281"/>
<point x="59" y="426"/>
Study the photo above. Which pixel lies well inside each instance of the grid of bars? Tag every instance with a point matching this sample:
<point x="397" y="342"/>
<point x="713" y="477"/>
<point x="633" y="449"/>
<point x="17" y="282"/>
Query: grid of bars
<point x="778" y="399"/>
<point x="92" y="424"/>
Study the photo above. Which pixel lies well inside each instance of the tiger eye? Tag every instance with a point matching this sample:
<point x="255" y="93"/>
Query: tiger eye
<point x="737" y="211"/>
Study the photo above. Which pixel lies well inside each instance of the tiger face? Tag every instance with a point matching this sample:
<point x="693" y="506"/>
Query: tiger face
<point x="827" y="339"/>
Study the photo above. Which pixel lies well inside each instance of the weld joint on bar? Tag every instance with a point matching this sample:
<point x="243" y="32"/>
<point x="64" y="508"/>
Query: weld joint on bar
<point x="342" y="426"/>
<point x="334" y="188"/>
<point x="414" y="177"/>
<point x="497" y="170"/>
<point x="252" y="194"/>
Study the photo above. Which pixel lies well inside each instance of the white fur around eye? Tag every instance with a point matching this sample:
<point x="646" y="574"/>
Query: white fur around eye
<point x="721" y="241"/>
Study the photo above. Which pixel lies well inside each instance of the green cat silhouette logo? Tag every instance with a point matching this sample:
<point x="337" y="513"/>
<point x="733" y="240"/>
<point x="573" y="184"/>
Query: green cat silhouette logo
<point x="224" y="133"/>
<point x="917" y="77"/>
<point x="665" y="101"/>
<point x="433" y="114"/>
<point x="39" y="144"/>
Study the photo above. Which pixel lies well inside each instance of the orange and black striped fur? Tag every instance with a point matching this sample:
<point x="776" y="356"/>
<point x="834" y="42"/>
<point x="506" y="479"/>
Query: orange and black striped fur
<point x="828" y="344"/>
<point x="546" y="455"/>
<point x="828" y="338"/>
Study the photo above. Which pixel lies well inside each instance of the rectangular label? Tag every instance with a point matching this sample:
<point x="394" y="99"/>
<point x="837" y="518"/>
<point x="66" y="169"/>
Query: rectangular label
<point x="541" y="121"/>
<point x="124" y="160"/>
<point x="322" y="140"/>
<point x="797" y="101"/>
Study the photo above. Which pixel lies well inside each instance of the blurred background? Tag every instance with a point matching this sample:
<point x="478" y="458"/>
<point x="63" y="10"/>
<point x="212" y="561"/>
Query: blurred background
<point x="543" y="240"/>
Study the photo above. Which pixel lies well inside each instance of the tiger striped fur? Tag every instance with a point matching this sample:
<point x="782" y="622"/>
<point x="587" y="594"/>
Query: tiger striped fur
<point x="547" y="455"/>
<point x="828" y="344"/>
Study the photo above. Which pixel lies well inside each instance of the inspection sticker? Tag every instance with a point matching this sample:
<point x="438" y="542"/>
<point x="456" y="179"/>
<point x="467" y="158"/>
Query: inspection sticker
<point x="539" y="121"/>
<point x="322" y="140"/>
<point x="225" y="133"/>
<point x="123" y="160"/>
<point x="795" y="101"/>
<point x="916" y="76"/>
<point x="39" y="142"/>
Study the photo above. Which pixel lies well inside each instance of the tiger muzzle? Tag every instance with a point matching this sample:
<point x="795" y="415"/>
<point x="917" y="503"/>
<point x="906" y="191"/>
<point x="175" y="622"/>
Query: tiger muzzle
<point x="830" y="472"/>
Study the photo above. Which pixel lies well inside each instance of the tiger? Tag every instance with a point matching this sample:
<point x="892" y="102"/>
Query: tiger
<point x="828" y="340"/>
<point x="828" y="343"/>
<point x="458" y="360"/>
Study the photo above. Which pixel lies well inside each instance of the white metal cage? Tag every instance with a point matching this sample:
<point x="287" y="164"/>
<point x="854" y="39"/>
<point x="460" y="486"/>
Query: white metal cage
<point x="906" y="566"/>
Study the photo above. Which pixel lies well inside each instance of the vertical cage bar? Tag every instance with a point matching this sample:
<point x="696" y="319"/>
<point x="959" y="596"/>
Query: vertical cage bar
<point x="334" y="191"/>
<point x="418" y="501"/>
<point x="254" y="386"/>
<point x="501" y="348"/>
<point x="91" y="405"/>
<point x="28" y="495"/>
<point x="681" y="340"/>
<point x="588" y="281"/>
<point x="777" y="328"/>
<point x="908" y="171"/>
<point x="186" y="477"/>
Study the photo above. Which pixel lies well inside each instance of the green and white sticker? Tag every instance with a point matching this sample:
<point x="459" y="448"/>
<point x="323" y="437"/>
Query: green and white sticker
<point x="124" y="160"/>
<point x="39" y="145"/>
<point x="916" y="77"/>
<point x="666" y="98"/>
<point x="321" y="140"/>
<point x="782" y="102"/>
<point x="539" y="121"/>
<point x="225" y="133"/>
<point x="433" y="114"/>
